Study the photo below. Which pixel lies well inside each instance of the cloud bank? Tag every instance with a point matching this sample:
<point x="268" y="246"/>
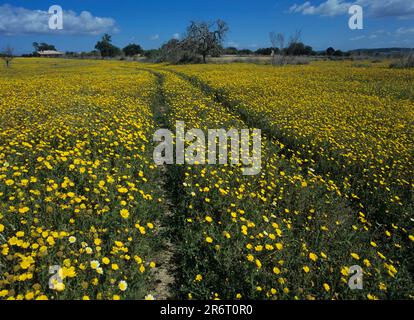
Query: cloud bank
<point x="17" y="20"/>
<point x="402" y="9"/>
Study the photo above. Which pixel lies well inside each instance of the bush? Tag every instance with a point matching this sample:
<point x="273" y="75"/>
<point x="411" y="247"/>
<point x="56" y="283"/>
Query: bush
<point x="406" y="62"/>
<point x="281" y="60"/>
<point x="176" y="52"/>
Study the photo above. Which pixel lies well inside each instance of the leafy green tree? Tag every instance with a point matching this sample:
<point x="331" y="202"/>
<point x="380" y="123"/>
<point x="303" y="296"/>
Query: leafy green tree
<point x="106" y="48"/>
<point x="267" y="51"/>
<point x="330" y="51"/>
<point x="132" y="50"/>
<point x="43" y="47"/>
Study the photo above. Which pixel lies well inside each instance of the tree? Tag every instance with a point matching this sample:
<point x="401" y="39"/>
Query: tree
<point x="299" y="49"/>
<point x="205" y="38"/>
<point x="7" y="55"/>
<point x="330" y="51"/>
<point x="106" y="48"/>
<point x="132" y="50"/>
<point x="277" y="41"/>
<point x="231" y="51"/>
<point x="176" y="52"/>
<point x="267" y="51"/>
<point x="43" y="47"/>
<point x="278" y="44"/>
<point x="295" y="38"/>
<point x="245" y="52"/>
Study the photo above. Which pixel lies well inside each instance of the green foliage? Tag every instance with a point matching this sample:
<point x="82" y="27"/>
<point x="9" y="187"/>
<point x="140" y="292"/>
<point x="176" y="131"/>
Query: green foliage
<point x="106" y="48"/>
<point x="132" y="50"/>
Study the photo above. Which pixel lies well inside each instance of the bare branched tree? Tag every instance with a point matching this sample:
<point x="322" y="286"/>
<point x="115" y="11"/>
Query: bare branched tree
<point x="205" y="38"/>
<point x="296" y="37"/>
<point x="7" y="55"/>
<point x="278" y="42"/>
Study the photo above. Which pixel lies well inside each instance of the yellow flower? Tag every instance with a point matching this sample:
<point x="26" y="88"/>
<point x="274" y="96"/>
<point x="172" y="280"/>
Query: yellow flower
<point x="209" y="240"/>
<point x="1" y="227"/>
<point x="326" y="287"/>
<point x="306" y="269"/>
<point x="123" y="286"/>
<point x="68" y="272"/>
<point x="24" y="210"/>
<point x="276" y="270"/>
<point x="345" y="271"/>
<point x="123" y="190"/>
<point x="95" y="264"/>
<point x="29" y="296"/>
<point x="125" y="213"/>
<point x="59" y="286"/>
<point x="313" y="257"/>
<point x="199" y="278"/>
<point x="106" y="261"/>
<point x="355" y="256"/>
<point x="3" y="293"/>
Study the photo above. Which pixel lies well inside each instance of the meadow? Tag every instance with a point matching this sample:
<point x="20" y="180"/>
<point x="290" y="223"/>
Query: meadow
<point x="79" y="189"/>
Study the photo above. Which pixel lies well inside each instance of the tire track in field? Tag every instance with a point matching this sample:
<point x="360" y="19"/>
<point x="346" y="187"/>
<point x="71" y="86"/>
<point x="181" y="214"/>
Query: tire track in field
<point x="380" y="221"/>
<point x="164" y="273"/>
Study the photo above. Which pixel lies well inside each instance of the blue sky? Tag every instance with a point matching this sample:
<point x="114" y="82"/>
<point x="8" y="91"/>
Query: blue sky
<point x="387" y="23"/>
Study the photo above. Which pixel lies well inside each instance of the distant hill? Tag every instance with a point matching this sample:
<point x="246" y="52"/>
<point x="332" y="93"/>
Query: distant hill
<point x="382" y="51"/>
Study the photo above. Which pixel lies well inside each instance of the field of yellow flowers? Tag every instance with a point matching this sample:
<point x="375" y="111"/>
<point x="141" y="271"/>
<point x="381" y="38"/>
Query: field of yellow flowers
<point x="79" y="188"/>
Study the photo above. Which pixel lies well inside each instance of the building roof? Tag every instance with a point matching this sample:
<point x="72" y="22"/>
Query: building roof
<point x="50" y="53"/>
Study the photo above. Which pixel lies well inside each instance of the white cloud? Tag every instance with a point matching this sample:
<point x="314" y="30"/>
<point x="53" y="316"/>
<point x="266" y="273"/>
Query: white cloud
<point x="155" y="37"/>
<point x="404" y="31"/>
<point x="329" y="8"/>
<point x="176" y="36"/>
<point x="16" y="20"/>
<point x="390" y="8"/>
<point x="376" y="8"/>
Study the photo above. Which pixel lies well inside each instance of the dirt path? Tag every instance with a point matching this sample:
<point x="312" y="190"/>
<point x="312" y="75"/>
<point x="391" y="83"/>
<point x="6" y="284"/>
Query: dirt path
<point x="165" y="270"/>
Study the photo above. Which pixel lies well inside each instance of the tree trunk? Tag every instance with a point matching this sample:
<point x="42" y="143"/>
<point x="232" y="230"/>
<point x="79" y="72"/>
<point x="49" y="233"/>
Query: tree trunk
<point x="204" y="58"/>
